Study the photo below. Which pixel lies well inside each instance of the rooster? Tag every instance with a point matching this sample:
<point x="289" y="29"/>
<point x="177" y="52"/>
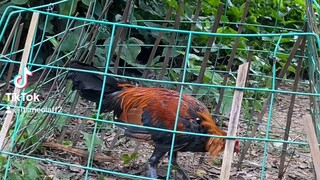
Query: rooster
<point x="153" y="107"/>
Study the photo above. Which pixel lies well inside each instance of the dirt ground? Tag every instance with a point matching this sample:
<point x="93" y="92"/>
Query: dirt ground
<point x="298" y="161"/>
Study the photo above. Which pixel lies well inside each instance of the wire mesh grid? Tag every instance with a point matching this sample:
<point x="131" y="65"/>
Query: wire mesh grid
<point x="33" y="129"/>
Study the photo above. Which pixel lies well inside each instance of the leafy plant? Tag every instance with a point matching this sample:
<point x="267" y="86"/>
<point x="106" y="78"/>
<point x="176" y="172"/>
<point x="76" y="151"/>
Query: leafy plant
<point x="21" y="169"/>
<point x="89" y="139"/>
<point x="129" y="158"/>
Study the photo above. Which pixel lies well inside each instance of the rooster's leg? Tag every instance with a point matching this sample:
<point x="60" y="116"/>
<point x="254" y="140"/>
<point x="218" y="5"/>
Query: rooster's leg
<point x="179" y="169"/>
<point x="154" y="161"/>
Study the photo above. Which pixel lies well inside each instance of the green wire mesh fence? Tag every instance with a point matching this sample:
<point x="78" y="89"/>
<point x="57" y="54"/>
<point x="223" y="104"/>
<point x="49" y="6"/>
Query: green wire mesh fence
<point x="201" y="60"/>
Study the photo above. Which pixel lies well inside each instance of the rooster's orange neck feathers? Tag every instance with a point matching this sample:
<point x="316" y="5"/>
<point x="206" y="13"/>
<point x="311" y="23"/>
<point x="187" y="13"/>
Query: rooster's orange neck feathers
<point x="214" y="145"/>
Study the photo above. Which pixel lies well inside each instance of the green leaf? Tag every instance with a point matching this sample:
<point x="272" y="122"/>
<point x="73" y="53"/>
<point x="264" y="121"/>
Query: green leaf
<point x="252" y="28"/>
<point x="98" y="8"/>
<point x="131" y="50"/>
<point x="257" y="105"/>
<point x="101" y="53"/>
<point x="129" y="158"/>
<point x="227" y="102"/>
<point x="202" y="91"/>
<point x="174" y="75"/>
<point x="17" y="165"/>
<point x="172" y="3"/>
<point x="3" y="7"/>
<point x="246" y="108"/>
<point x="89" y="140"/>
<point x="61" y="121"/>
<point x="125" y="158"/>
<point x="214" y="77"/>
<point x="19" y="2"/>
<point x="155" y="61"/>
<point x="94" y="115"/>
<point x="151" y="24"/>
<point x="236" y="12"/>
<point x="172" y="52"/>
<point x="49" y="26"/>
<point x="67" y="143"/>
<point x="6" y="99"/>
<point x="290" y="68"/>
<point x="224" y="18"/>
<point x="53" y="41"/>
<point x="14" y="176"/>
<point x="3" y="163"/>
<point x="213" y="3"/>
<point x="72" y="98"/>
<point x="70" y="42"/>
<point x="301" y="3"/>
<point x="101" y="177"/>
<point x="31" y="172"/>
<point x="151" y="8"/>
<point x="66" y="7"/>
<point x="86" y="2"/>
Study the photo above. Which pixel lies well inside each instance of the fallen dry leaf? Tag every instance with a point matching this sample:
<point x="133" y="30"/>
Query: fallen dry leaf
<point x="201" y="173"/>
